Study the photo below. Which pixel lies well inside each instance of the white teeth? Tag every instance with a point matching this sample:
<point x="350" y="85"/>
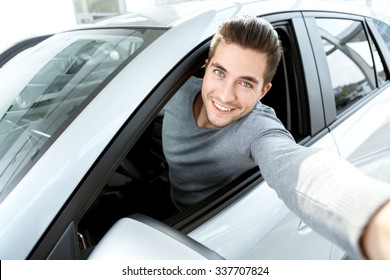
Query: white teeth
<point x="222" y="108"/>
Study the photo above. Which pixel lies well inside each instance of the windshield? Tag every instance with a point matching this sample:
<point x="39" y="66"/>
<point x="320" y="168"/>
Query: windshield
<point x="44" y="88"/>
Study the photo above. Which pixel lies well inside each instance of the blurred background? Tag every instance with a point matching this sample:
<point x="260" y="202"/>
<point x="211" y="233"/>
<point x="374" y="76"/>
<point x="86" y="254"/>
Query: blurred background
<point x="20" y="19"/>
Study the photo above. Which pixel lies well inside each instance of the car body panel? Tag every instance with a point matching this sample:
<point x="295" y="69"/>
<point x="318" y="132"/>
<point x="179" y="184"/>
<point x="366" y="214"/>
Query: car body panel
<point x="126" y="240"/>
<point x="363" y="138"/>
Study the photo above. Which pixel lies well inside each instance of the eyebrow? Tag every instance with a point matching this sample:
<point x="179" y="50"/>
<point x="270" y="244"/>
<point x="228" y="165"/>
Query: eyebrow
<point x="248" y="78"/>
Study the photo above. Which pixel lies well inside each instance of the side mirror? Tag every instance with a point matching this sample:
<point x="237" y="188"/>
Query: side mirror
<point x="140" y="237"/>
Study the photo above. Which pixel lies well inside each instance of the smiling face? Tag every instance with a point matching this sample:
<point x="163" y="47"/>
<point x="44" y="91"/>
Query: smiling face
<point x="232" y="85"/>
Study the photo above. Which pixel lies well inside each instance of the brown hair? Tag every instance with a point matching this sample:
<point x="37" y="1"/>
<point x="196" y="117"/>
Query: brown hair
<point x="253" y="33"/>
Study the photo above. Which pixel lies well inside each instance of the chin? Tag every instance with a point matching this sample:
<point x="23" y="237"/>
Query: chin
<point x="220" y="123"/>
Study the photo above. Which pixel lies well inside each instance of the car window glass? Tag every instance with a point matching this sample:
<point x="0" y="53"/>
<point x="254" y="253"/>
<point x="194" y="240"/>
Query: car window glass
<point x="379" y="68"/>
<point x="384" y="31"/>
<point x="349" y="60"/>
<point x="43" y="90"/>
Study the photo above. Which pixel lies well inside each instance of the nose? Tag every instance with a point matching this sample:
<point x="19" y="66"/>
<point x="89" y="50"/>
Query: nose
<point x="228" y="91"/>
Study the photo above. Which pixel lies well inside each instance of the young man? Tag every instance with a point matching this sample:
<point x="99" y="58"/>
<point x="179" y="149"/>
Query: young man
<point x="216" y="128"/>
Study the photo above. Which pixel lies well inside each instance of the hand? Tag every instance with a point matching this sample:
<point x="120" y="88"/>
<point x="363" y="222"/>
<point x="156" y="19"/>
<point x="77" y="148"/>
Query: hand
<point x="376" y="238"/>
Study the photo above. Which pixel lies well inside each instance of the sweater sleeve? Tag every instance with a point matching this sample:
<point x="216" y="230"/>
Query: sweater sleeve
<point x="332" y="196"/>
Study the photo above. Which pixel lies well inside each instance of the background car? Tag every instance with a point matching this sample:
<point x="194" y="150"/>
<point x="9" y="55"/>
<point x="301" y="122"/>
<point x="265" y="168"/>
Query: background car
<point x="82" y="172"/>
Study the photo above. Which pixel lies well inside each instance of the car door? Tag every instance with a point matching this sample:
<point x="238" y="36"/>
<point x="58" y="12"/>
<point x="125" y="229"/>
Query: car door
<point x="356" y="88"/>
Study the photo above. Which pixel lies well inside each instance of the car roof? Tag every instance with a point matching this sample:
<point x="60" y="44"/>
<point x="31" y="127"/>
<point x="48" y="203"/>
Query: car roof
<point x="166" y="16"/>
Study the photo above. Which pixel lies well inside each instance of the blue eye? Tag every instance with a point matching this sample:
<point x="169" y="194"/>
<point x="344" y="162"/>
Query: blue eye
<point x="246" y="84"/>
<point x="218" y="72"/>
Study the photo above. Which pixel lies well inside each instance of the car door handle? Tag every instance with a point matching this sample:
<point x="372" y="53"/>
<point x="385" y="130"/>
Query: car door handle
<point x="303" y="228"/>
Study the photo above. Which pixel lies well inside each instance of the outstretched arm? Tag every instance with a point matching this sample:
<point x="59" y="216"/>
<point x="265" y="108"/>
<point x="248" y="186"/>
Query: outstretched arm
<point x="375" y="240"/>
<point x="332" y="196"/>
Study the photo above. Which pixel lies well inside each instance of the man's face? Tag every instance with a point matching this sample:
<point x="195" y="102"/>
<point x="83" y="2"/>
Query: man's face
<point x="232" y="85"/>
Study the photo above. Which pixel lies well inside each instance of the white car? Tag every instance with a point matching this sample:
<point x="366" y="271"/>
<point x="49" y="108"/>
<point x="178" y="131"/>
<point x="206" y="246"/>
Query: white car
<point x="82" y="172"/>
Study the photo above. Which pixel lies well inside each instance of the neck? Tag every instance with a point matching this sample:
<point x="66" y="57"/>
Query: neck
<point x="199" y="112"/>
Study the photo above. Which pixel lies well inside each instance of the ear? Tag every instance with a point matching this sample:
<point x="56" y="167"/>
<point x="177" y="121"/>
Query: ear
<point x="264" y="90"/>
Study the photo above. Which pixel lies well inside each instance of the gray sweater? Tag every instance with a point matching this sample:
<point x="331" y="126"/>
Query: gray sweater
<point x="321" y="188"/>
